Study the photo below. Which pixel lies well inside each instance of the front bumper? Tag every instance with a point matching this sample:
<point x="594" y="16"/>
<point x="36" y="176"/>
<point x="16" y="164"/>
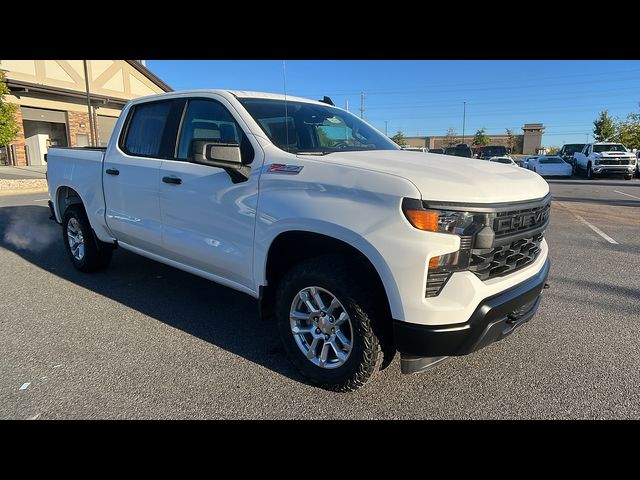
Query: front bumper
<point x="494" y="318"/>
<point x="618" y="169"/>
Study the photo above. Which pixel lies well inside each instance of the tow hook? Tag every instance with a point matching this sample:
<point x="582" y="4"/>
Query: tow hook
<point x="546" y="285"/>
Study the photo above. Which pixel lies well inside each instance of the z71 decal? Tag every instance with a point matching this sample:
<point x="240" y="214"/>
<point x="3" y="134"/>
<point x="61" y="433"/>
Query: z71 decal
<point x="281" y="168"/>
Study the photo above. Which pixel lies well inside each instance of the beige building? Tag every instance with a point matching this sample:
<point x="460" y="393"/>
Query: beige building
<point x="528" y="143"/>
<point x="54" y="106"/>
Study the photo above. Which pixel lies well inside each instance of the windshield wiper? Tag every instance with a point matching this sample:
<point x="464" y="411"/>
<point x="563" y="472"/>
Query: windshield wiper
<point x="319" y="153"/>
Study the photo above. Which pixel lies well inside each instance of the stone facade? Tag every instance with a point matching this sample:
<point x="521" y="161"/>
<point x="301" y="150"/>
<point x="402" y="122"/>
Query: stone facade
<point x="18" y="146"/>
<point x="77" y="123"/>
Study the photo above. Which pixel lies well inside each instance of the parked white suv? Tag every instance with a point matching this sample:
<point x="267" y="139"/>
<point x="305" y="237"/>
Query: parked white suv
<point x="605" y="158"/>
<point x="356" y="248"/>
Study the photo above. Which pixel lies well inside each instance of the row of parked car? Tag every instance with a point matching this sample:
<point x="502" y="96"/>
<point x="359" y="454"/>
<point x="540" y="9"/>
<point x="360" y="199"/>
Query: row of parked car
<point x="464" y="150"/>
<point x="592" y="159"/>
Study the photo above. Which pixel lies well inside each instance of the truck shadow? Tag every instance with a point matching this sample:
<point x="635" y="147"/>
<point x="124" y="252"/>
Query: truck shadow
<point x="216" y="314"/>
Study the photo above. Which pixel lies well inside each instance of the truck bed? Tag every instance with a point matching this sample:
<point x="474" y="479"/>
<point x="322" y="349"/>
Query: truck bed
<point x="79" y="169"/>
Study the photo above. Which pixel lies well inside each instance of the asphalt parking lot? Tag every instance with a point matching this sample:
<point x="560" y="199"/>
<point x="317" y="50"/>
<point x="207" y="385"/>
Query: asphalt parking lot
<point x="143" y="340"/>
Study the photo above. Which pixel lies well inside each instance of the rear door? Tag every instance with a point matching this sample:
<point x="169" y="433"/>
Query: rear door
<point x="208" y="221"/>
<point x="131" y="173"/>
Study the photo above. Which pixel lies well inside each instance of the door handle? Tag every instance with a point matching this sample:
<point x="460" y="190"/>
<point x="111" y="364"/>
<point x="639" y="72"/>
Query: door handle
<point x="174" y="180"/>
<point x="112" y="171"/>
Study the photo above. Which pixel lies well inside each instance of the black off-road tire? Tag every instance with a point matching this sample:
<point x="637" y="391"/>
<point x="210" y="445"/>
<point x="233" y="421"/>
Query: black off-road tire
<point x="97" y="254"/>
<point x="628" y="177"/>
<point x="589" y="172"/>
<point x="348" y="282"/>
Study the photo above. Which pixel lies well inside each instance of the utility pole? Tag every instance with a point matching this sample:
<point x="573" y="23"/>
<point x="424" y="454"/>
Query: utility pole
<point x="464" y="119"/>
<point x="385" y="127"/>
<point x="92" y="135"/>
<point x="347" y="105"/>
<point x="362" y="105"/>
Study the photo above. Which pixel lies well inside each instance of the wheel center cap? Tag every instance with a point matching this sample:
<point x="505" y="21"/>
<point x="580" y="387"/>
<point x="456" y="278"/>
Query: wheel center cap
<point x="325" y="324"/>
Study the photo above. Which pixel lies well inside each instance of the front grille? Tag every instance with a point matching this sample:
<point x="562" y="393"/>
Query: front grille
<point x="489" y="263"/>
<point x="515" y="221"/>
<point x="613" y="162"/>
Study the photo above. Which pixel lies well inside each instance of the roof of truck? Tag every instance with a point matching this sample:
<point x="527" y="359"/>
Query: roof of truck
<point x="235" y="93"/>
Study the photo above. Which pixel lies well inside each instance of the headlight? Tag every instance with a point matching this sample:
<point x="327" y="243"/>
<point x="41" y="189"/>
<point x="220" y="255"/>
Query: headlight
<point x="442" y="221"/>
<point x="452" y="222"/>
<point x="596" y="162"/>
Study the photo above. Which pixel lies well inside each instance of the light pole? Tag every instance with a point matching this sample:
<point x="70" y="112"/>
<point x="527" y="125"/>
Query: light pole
<point x="464" y="119"/>
<point x="385" y="127"/>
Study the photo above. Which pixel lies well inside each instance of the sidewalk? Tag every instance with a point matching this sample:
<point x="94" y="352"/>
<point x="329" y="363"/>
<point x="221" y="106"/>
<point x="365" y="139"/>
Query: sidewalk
<point x="20" y="173"/>
<point x="20" y="180"/>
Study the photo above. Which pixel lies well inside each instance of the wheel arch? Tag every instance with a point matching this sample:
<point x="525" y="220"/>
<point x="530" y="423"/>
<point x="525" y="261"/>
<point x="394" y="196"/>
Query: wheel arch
<point x="292" y="246"/>
<point x="66" y="196"/>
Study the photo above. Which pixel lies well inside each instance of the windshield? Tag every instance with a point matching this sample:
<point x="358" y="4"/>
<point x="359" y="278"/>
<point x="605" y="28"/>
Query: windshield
<point x="551" y="160"/>
<point x="495" y="151"/>
<point x="573" y="148"/>
<point x="501" y="160"/>
<point x="312" y="128"/>
<point x="617" y="147"/>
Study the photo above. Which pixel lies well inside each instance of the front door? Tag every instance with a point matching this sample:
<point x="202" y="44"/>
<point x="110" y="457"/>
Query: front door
<point x="207" y="220"/>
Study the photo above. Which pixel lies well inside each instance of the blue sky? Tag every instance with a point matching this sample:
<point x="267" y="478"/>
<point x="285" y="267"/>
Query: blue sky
<point x="425" y="97"/>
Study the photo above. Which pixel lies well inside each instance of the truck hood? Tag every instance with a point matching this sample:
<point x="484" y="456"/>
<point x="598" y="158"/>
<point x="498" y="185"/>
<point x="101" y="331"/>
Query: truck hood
<point x="448" y="178"/>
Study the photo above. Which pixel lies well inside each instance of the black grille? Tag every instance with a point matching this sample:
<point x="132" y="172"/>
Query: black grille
<point x="489" y="263"/>
<point x="613" y="162"/>
<point x="515" y="221"/>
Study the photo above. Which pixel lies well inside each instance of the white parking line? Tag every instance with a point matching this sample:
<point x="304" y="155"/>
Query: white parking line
<point x="597" y="230"/>
<point x="41" y="200"/>
<point x="627" y="194"/>
<point x="592" y="227"/>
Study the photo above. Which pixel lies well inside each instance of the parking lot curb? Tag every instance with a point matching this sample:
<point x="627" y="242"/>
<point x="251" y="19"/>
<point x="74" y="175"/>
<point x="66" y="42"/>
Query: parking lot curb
<point x="22" y="191"/>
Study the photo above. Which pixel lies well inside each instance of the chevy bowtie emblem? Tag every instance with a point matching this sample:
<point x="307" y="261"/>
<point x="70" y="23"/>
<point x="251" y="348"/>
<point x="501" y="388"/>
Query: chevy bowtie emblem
<point x="281" y="168"/>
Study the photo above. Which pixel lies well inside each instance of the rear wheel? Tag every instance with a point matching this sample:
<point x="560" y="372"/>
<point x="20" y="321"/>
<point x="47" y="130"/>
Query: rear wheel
<point x="86" y="253"/>
<point x="628" y="177"/>
<point x="331" y="323"/>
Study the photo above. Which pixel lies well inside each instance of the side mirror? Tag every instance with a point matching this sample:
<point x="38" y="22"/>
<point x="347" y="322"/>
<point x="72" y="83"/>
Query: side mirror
<point x="222" y="155"/>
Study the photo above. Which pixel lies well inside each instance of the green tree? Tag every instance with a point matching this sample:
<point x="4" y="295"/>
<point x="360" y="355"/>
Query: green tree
<point x="512" y="142"/>
<point x="552" y="150"/>
<point x="604" y="127"/>
<point x="8" y="126"/>
<point x="481" y="139"/>
<point x="627" y="131"/>
<point x="451" y="138"/>
<point x="399" y="139"/>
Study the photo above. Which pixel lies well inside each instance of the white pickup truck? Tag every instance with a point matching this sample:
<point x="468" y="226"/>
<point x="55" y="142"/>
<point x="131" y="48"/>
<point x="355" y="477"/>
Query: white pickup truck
<point x="354" y="247"/>
<point x="605" y="158"/>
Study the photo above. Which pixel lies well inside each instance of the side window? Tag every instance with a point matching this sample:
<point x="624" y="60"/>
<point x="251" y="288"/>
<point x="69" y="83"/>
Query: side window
<point x="207" y="121"/>
<point x="144" y="134"/>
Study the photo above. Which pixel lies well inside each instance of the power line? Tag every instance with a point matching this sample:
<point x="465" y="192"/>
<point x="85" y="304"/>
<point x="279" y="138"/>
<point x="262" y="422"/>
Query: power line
<point x="518" y="84"/>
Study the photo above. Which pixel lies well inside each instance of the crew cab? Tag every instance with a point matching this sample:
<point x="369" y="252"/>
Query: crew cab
<point x="355" y="249"/>
<point x="605" y="158"/>
<point x="568" y="151"/>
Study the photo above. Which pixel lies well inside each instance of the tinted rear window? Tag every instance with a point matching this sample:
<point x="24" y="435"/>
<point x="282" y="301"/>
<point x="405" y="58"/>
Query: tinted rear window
<point x="147" y="124"/>
<point x="551" y="160"/>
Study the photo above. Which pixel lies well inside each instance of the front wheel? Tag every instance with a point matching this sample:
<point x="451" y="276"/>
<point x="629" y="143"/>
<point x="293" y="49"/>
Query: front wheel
<point x="628" y="177"/>
<point x="331" y="323"/>
<point x="86" y="253"/>
<point x="589" y="172"/>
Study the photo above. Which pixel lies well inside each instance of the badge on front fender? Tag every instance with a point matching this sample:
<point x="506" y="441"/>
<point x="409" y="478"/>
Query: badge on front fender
<point x="287" y="169"/>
